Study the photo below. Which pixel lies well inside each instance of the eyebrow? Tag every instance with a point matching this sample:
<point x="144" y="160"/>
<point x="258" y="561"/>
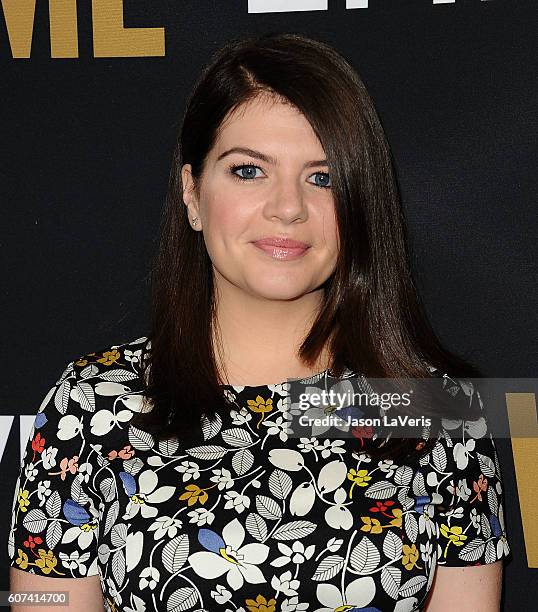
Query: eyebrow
<point x="266" y="158"/>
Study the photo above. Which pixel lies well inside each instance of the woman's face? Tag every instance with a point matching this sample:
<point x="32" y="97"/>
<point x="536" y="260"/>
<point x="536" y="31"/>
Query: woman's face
<point x="285" y="192"/>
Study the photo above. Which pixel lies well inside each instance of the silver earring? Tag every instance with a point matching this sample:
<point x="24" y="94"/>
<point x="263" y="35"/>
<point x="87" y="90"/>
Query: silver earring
<point x="194" y="220"/>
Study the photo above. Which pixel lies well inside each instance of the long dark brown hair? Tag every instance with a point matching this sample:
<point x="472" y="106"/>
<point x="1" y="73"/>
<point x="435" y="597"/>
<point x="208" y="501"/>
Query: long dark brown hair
<point x="372" y="317"/>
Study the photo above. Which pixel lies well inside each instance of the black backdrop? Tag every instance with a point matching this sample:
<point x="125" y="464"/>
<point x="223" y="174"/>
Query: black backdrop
<point x="90" y="109"/>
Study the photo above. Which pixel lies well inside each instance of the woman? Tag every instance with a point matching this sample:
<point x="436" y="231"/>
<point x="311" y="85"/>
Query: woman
<point x="163" y="471"/>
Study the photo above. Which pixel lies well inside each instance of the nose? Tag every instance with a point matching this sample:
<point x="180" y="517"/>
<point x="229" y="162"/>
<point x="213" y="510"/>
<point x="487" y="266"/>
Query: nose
<point x="286" y="202"/>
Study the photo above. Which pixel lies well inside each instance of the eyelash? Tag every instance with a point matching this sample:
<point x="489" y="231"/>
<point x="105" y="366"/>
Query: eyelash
<point x="234" y="167"/>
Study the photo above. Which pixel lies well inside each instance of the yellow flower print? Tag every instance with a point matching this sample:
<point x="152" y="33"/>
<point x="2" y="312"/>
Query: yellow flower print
<point x="371" y="525"/>
<point x="410" y="556"/>
<point x="454" y="535"/>
<point x="360" y="478"/>
<point x="112" y="604"/>
<point x="261" y="406"/>
<point x="81" y="362"/>
<point x="24" y="502"/>
<point x="47" y="562"/>
<point x="22" y="559"/>
<point x="397" y="521"/>
<point x="137" y="500"/>
<point x="194" y="494"/>
<point x="260" y="604"/>
<point x="109" y="357"/>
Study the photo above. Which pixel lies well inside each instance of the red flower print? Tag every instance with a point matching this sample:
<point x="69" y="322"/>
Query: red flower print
<point x="363" y="432"/>
<point x="38" y="444"/>
<point x="67" y="465"/>
<point x="32" y="542"/>
<point x="481" y="485"/>
<point x="126" y="452"/>
<point x="382" y="507"/>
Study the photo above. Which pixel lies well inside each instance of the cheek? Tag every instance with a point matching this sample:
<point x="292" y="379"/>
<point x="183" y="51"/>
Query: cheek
<point x="227" y="224"/>
<point x="328" y="230"/>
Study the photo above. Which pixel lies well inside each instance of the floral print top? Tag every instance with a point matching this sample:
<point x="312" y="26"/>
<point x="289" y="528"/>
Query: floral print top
<point x="251" y="519"/>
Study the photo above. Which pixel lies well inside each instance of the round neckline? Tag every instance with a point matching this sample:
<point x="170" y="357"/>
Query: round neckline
<point x="320" y="375"/>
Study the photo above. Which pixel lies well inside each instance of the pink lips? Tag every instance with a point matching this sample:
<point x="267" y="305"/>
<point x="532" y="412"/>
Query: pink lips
<point x="282" y="248"/>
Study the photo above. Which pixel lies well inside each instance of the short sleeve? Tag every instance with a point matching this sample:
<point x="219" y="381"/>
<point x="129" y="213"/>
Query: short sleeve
<point x="464" y="482"/>
<point x="54" y="518"/>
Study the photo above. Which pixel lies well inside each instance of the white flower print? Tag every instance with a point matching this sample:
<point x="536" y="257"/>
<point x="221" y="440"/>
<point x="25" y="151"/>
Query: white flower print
<point x="43" y="491"/>
<point x="296" y="554"/>
<point x="165" y="525"/>
<point x="189" y="469"/>
<point x="279" y="427"/>
<point x="223" y="477"/>
<point x="461" y="491"/>
<point x="308" y="444"/>
<point x="237" y="501"/>
<point x="461" y="453"/>
<point x="426" y="551"/>
<point x="221" y="594"/>
<point x="69" y="426"/>
<point x="239" y="562"/>
<point x="338" y="516"/>
<point x="455" y="513"/>
<point x="49" y="457"/>
<point x="388" y="466"/>
<point x="302" y="499"/>
<point x="103" y="421"/>
<point x="361" y="457"/>
<point x="358" y="593"/>
<point x="292" y="605"/>
<point x="149" y="577"/>
<point x="133" y="356"/>
<point x="240" y="417"/>
<point x="75" y="561"/>
<point x="285" y="584"/>
<point x="332" y="447"/>
<point x="475" y="520"/>
<point x="425" y="523"/>
<point x="85" y="471"/>
<point x="146" y="495"/>
<point x="201" y="516"/>
<point x="84" y="534"/>
<point x="30" y="472"/>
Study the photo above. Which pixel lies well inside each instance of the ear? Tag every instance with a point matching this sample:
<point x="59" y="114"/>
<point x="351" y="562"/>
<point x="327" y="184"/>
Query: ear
<point x="189" y="193"/>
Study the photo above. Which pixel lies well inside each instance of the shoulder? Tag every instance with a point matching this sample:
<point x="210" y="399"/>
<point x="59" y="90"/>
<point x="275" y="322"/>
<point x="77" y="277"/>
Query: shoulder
<point x="125" y="357"/>
<point x="108" y="384"/>
<point x="95" y="391"/>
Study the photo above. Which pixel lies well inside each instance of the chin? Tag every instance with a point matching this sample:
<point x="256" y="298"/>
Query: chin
<point x="281" y="290"/>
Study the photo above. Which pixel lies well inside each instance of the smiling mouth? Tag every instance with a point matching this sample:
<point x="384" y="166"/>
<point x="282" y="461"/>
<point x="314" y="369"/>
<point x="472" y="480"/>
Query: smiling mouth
<point x="281" y="253"/>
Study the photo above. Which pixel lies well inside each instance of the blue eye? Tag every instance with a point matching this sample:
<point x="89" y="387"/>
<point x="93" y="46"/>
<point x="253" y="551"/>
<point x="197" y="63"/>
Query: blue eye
<point x="247" y="172"/>
<point x="325" y="179"/>
<point x="244" y="177"/>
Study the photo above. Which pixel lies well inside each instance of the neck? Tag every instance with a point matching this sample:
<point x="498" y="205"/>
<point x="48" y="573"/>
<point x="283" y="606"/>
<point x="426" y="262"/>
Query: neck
<point x="260" y="338"/>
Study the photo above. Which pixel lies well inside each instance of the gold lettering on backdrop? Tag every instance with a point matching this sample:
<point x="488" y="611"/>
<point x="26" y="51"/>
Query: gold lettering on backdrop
<point x="524" y="435"/>
<point x="63" y="28"/>
<point x="111" y="39"/>
<point x="19" y="16"/>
